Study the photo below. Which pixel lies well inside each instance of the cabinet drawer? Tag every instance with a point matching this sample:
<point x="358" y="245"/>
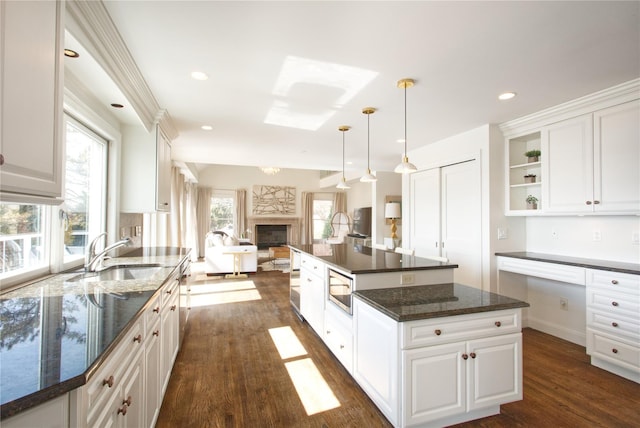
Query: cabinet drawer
<point x="460" y="327"/>
<point x="313" y="265"/>
<point x="553" y="271"/>
<point x="614" y="281"/>
<point x="614" y="303"/>
<point x="613" y="324"/>
<point x="108" y="377"/>
<point x="340" y="341"/>
<point x="608" y="348"/>
<point x="170" y="288"/>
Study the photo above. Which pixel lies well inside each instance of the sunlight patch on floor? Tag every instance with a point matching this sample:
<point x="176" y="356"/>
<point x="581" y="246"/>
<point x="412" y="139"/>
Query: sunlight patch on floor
<point x="314" y="392"/>
<point x="287" y="342"/>
<point x="223" y="292"/>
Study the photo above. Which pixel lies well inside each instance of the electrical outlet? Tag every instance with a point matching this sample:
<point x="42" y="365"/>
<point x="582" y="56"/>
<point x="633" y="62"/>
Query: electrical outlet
<point x="554" y="234"/>
<point x="407" y="279"/>
<point x="502" y="233"/>
<point x="597" y="236"/>
<point x="564" y="304"/>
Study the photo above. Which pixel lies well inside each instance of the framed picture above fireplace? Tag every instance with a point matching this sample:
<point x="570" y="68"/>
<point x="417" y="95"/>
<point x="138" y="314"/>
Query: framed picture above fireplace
<point x="274" y="200"/>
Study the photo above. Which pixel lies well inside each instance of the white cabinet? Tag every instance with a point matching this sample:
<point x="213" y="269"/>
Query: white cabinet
<point x="523" y="178"/>
<point x="31" y="76"/>
<point x="146" y="170"/>
<point x="613" y="322"/>
<point x="312" y="292"/>
<point x="153" y="351"/>
<point x="51" y="414"/>
<point x="590" y="162"/>
<point x="338" y="334"/>
<point x="169" y="331"/>
<point x="445" y="218"/>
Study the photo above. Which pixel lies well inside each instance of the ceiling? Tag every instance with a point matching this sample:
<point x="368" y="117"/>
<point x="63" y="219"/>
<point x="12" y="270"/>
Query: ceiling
<point x="283" y="76"/>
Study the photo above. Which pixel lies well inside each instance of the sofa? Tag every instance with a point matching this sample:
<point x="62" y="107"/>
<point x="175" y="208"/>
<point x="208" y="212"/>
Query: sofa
<point x="216" y="261"/>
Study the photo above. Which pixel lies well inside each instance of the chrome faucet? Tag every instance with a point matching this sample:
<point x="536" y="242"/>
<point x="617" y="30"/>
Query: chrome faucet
<point x="93" y="261"/>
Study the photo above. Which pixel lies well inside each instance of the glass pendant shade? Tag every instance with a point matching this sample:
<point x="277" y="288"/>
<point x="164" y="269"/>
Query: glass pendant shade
<point x="368" y="177"/>
<point x="405" y="166"/>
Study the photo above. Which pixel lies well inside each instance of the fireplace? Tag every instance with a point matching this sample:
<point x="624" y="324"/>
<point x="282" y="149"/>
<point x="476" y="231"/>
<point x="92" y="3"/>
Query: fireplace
<point x="271" y="235"/>
<point x="287" y="231"/>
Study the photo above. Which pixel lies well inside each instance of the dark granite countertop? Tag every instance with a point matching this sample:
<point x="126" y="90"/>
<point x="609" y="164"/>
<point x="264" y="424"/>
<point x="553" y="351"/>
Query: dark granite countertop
<point x="49" y="340"/>
<point x="434" y="301"/>
<point x="622" y="267"/>
<point x="358" y="259"/>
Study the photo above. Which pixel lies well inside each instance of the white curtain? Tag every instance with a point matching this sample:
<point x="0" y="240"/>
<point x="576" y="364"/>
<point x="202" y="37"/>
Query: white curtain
<point x="307" y="218"/>
<point x="191" y="220"/>
<point x="241" y="212"/>
<point x="203" y="216"/>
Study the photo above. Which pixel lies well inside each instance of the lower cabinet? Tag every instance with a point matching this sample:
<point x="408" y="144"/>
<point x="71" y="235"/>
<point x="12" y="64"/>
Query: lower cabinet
<point x="169" y="331"/>
<point x="438" y="371"/>
<point x="312" y="296"/>
<point x="338" y="335"/>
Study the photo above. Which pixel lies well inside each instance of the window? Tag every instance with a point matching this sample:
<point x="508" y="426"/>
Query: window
<point x="85" y="188"/>
<point x="322" y="211"/>
<point x="22" y="238"/>
<point x="223" y="211"/>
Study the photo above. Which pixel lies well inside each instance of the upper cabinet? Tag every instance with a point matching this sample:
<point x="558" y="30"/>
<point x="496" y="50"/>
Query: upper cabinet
<point x="31" y="82"/>
<point x="146" y="171"/>
<point x="590" y="157"/>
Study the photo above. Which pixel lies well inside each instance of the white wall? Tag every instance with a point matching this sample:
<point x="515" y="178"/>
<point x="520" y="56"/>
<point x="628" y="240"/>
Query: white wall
<point x="388" y="184"/>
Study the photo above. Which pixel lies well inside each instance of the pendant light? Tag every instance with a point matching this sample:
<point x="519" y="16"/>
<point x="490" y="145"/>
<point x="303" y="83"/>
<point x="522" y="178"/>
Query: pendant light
<point x="405" y="166"/>
<point x="342" y="185"/>
<point x="368" y="177"/>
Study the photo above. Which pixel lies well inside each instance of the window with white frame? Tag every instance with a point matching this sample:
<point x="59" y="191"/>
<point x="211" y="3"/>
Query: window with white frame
<point x="322" y="212"/>
<point x="223" y="212"/>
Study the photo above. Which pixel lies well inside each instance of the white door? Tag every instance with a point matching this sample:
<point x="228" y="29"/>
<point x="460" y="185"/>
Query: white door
<point x="461" y="221"/>
<point x="425" y="212"/>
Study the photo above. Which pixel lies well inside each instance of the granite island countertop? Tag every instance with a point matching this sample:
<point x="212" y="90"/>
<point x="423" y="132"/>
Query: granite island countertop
<point x="613" y="266"/>
<point x="434" y="301"/>
<point x="55" y="332"/>
<point x="358" y="259"/>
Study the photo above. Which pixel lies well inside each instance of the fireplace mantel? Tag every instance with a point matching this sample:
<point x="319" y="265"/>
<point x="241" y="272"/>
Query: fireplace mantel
<point x="292" y="223"/>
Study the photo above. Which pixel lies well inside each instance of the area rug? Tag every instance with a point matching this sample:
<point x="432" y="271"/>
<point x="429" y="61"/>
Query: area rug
<point x="279" y="264"/>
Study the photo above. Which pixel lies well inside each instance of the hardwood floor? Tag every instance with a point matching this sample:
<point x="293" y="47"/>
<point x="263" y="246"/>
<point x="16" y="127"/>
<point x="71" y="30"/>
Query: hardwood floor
<point x="229" y="372"/>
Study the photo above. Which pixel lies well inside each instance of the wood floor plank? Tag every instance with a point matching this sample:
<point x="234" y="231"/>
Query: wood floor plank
<point x="229" y="373"/>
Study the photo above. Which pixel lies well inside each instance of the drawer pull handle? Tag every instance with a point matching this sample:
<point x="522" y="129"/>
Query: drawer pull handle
<point x="123" y="410"/>
<point x="156" y="309"/>
<point x="588" y="202"/>
<point x="308" y="279"/>
<point x="315" y="267"/>
<point x="438" y="332"/>
<point x="615" y="324"/>
<point x="169" y="291"/>
<point x="465" y="356"/>
<point x="473" y="355"/>
<point x="328" y="331"/>
<point x="156" y="333"/>
<point x="108" y="381"/>
<point x="614" y="350"/>
<point x="596" y="202"/>
<point x="614" y="281"/>
<point x="341" y="346"/>
<point x="498" y="323"/>
<point x="127" y="401"/>
<point x="138" y="338"/>
<point x="614" y="303"/>
<point x="173" y="307"/>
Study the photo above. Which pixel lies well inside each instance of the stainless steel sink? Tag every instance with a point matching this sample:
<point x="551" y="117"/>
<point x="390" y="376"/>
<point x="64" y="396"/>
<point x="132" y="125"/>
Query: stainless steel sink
<point x="119" y="273"/>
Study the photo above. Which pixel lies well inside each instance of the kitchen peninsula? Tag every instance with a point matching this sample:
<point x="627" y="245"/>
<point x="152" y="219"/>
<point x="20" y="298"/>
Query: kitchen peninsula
<point x="80" y="348"/>
<point x="427" y="351"/>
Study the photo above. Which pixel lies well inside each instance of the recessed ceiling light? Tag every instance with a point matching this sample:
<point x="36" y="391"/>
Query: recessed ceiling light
<point x="116" y="105"/>
<point x="207" y="127"/>
<point x="71" y="53"/>
<point x="199" y="75"/>
<point x="506" y="96"/>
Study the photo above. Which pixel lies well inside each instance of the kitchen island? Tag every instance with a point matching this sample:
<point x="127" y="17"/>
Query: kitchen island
<point x="427" y="351"/>
<point x="59" y="333"/>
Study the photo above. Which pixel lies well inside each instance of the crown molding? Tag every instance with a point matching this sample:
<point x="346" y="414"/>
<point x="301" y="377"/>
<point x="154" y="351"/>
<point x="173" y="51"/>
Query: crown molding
<point x="624" y="92"/>
<point x="91" y="24"/>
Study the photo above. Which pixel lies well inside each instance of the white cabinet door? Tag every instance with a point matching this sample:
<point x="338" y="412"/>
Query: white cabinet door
<point x="494" y="373"/>
<point x="567" y="165"/>
<point x="133" y="394"/>
<point x="312" y="300"/>
<point x="169" y="331"/>
<point x="425" y="215"/>
<point x="152" y="378"/>
<point x="163" y="170"/>
<point x="434" y="383"/>
<point x="617" y="158"/>
<point x="31" y="104"/>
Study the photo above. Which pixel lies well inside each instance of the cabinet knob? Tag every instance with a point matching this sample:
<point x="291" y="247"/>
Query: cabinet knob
<point x="614" y="303"/>
<point x="108" y="381"/>
<point x="138" y="338"/>
<point x="614" y="281"/>
<point x="498" y="323"/>
<point x="165" y="204"/>
<point x="341" y="346"/>
<point x="173" y="307"/>
<point x="614" y="350"/>
<point x="438" y="332"/>
<point x="473" y="355"/>
<point x="156" y="309"/>
<point x="122" y="410"/>
<point x="596" y="202"/>
<point x="588" y="202"/>
<point x="169" y="291"/>
<point x="615" y="324"/>
<point x="465" y="356"/>
<point x="328" y="331"/>
<point x="156" y="333"/>
<point x="127" y="401"/>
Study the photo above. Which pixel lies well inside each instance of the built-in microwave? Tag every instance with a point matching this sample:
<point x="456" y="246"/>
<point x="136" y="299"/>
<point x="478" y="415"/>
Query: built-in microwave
<point x="340" y="288"/>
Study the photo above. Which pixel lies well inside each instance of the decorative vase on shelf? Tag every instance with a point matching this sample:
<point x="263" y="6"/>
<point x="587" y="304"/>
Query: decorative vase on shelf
<point x="532" y="206"/>
<point x="530" y="178"/>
